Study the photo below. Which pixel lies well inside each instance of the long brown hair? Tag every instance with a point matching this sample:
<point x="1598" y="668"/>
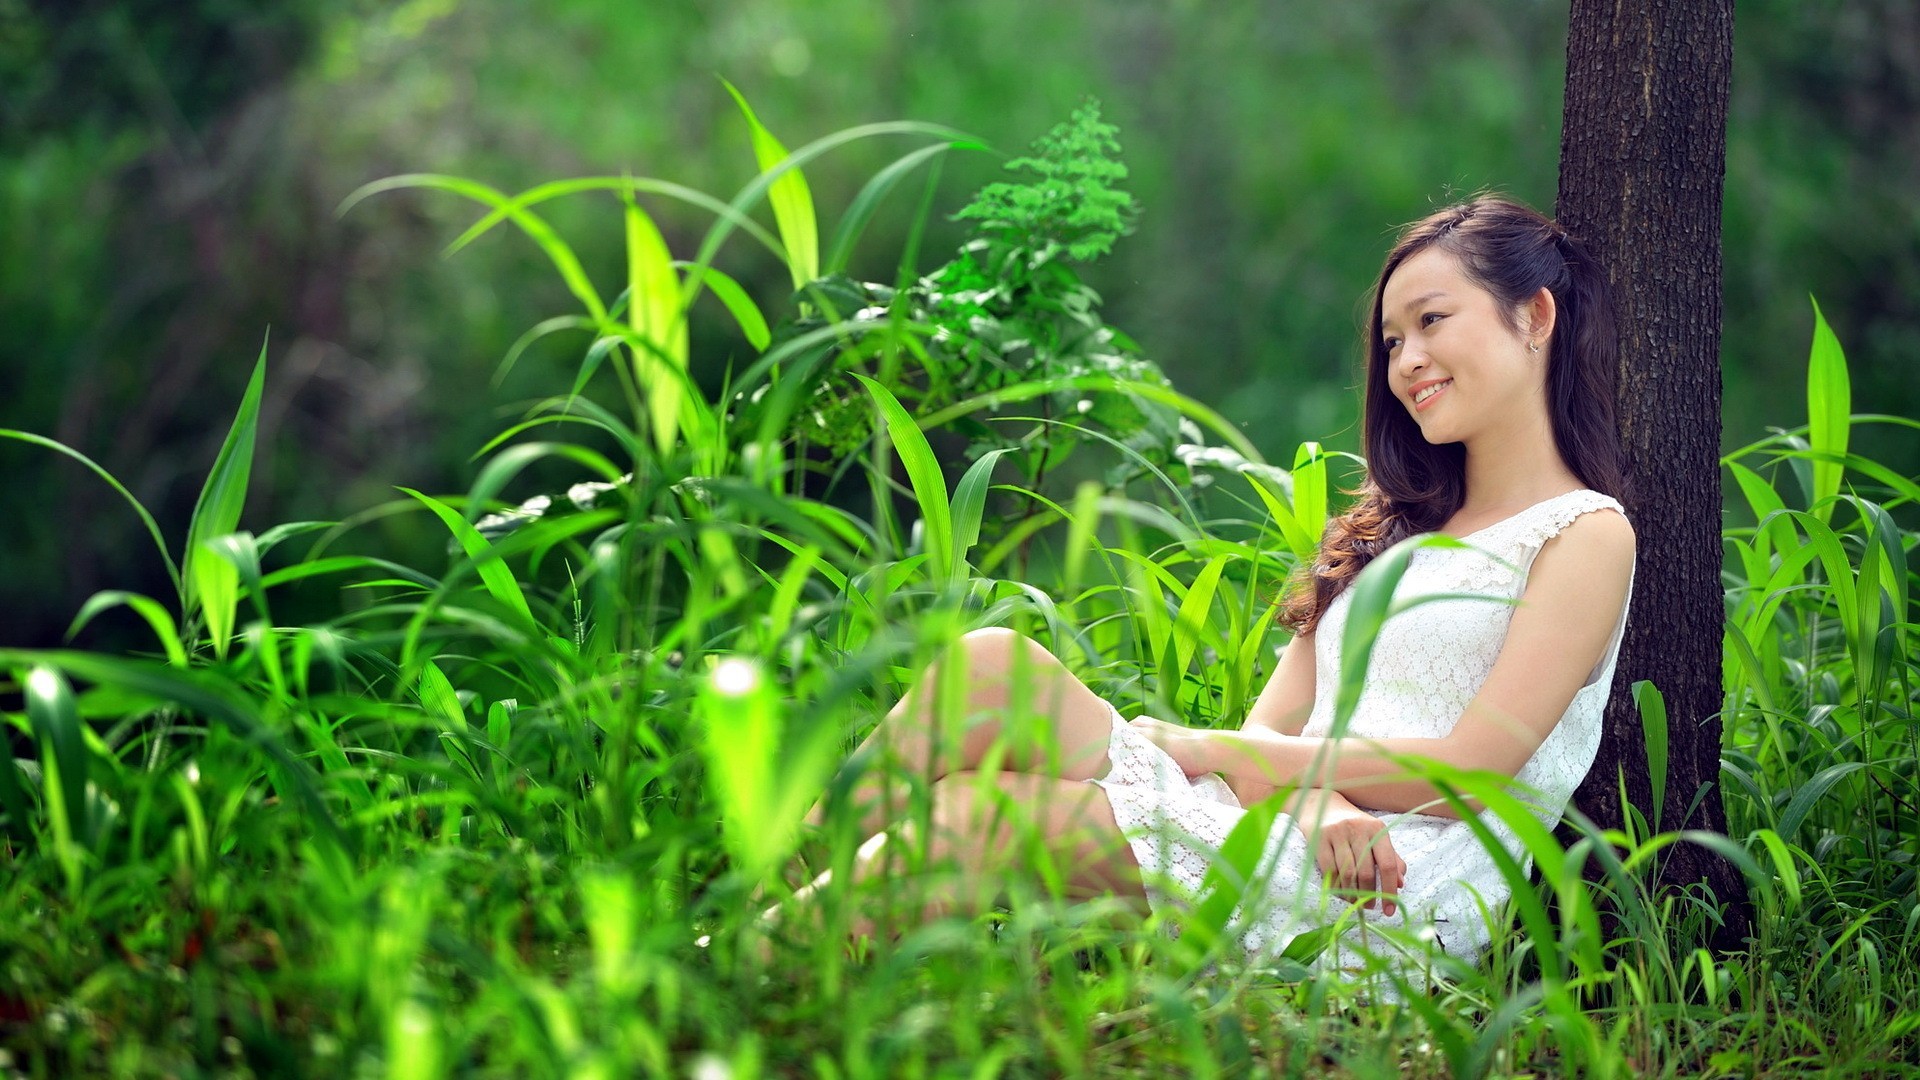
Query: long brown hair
<point x="1413" y="486"/>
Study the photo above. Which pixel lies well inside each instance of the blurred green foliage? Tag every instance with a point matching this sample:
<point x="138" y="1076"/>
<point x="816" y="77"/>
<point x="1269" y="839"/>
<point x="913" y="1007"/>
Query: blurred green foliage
<point x="171" y="171"/>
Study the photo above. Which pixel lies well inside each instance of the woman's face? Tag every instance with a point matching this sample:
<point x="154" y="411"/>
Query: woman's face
<point x="1454" y="361"/>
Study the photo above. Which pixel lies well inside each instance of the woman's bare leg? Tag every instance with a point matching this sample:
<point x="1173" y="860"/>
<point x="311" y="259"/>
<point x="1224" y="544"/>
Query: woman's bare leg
<point x="991" y="830"/>
<point x="1059" y="727"/>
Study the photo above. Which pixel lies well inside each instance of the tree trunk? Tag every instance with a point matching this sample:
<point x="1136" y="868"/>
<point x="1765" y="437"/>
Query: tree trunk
<point x="1642" y="158"/>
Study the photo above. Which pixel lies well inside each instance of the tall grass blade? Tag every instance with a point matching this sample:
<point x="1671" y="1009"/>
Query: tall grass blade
<point x="1310" y="491"/>
<point x="554" y="189"/>
<point x="659" y="323"/>
<point x="1812" y="792"/>
<point x="1229" y="879"/>
<point x="970" y="503"/>
<point x="1653" y="728"/>
<point x="860" y="211"/>
<point x="211" y="582"/>
<point x="763" y="773"/>
<point x="153" y="527"/>
<point x="147" y="608"/>
<point x="1190" y="622"/>
<point x="63" y="760"/>
<point x="792" y="201"/>
<point x="728" y="291"/>
<point x="495" y="576"/>
<point x="1373" y="604"/>
<point x="1829" y="404"/>
<point x="557" y="251"/>
<point x="923" y="471"/>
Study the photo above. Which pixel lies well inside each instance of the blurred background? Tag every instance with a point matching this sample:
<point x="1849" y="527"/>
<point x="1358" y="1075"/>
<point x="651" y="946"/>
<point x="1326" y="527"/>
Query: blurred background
<point x="170" y="172"/>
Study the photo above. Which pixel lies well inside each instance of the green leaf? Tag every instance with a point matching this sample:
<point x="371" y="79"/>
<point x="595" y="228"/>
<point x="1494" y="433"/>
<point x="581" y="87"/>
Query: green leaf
<point x="1785" y="871"/>
<point x="1812" y="792"/>
<point x="1230" y="878"/>
<point x="217" y="513"/>
<point x="540" y="330"/>
<point x="659" y="324"/>
<point x="1653" y="726"/>
<point x="792" y="201"/>
<point x="1190" y="623"/>
<point x="56" y="722"/>
<point x="738" y="303"/>
<point x="923" y="470"/>
<point x="1298" y="540"/>
<point x="860" y="211"/>
<point x="13" y="794"/>
<point x="495" y="576"/>
<point x="216" y="589"/>
<point x="147" y="608"/>
<point x="969" y="503"/>
<point x="536" y="228"/>
<point x="1310" y="491"/>
<point x="153" y="528"/>
<point x="1829" y="404"/>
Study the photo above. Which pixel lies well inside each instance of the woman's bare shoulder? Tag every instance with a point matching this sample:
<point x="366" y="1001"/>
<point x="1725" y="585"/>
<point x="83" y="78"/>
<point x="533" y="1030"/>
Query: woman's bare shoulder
<point x="1597" y="541"/>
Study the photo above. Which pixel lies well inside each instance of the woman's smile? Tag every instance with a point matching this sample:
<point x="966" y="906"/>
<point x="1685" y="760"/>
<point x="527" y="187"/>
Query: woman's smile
<point x="1424" y="393"/>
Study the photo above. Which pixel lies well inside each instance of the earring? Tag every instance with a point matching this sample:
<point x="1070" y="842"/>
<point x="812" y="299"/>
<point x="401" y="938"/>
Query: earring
<point x="1533" y="346"/>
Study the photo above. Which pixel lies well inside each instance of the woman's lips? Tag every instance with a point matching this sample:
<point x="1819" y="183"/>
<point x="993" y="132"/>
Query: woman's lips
<point x="1433" y="393"/>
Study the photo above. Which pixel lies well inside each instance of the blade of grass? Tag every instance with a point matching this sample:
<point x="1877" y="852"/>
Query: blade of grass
<point x="658" y="321"/>
<point x="495" y="576"/>
<point x="1829" y="404"/>
<point x="969" y="503"/>
<point x="153" y="528"/>
<point x="923" y="470"/>
<point x="63" y="762"/>
<point x="212" y="583"/>
<point x="147" y="608"/>
<point x="860" y="211"/>
<point x="792" y="201"/>
<point x="1653" y="726"/>
<point x="536" y="228"/>
<point x="738" y="303"/>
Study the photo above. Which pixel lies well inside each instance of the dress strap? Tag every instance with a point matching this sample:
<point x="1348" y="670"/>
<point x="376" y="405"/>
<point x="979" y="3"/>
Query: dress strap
<point x="1533" y="527"/>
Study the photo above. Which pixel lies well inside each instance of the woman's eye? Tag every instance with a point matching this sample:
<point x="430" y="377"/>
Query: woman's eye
<point x="1430" y="318"/>
<point x="1390" y="344"/>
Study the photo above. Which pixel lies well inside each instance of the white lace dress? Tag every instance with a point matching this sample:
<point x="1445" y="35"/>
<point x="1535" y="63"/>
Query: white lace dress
<point x="1413" y="689"/>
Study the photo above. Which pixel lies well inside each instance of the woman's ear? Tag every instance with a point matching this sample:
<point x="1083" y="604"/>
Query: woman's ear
<point x="1538" y="314"/>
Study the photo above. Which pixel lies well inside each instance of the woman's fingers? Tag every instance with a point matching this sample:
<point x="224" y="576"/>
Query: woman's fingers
<point x="1340" y="855"/>
<point x="1356" y="862"/>
<point x="1392" y="871"/>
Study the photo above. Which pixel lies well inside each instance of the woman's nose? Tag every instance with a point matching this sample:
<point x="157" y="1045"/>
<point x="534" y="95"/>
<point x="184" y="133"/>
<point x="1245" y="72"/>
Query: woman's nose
<point x="1412" y="359"/>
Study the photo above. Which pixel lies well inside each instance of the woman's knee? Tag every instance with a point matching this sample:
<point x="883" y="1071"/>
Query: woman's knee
<point x="993" y="650"/>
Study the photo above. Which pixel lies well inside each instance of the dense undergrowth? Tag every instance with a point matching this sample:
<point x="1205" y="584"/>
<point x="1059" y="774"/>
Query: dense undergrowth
<point x="478" y="820"/>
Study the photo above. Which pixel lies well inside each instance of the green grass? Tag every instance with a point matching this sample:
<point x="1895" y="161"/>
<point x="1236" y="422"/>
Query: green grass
<point x="475" y="822"/>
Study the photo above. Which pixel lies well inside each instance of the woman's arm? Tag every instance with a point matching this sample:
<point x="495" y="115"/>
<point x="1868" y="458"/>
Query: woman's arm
<point x="1574" y="596"/>
<point x="1282" y="707"/>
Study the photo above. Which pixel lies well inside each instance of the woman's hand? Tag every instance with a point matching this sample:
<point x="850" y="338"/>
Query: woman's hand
<point x="1182" y="744"/>
<point x="1351" y="847"/>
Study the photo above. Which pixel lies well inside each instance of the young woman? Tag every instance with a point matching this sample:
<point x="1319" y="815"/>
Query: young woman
<point x="1488" y="418"/>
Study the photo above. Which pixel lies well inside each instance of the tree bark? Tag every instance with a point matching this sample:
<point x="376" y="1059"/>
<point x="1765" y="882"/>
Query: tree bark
<point x="1642" y="163"/>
